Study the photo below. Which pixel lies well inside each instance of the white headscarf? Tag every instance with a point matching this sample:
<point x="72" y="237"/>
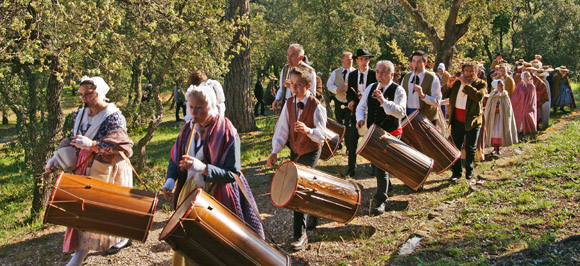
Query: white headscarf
<point x="219" y="93"/>
<point x="219" y="96"/>
<point x="523" y="77"/>
<point x="441" y="66"/>
<point x="101" y="87"/>
<point x="210" y="97"/>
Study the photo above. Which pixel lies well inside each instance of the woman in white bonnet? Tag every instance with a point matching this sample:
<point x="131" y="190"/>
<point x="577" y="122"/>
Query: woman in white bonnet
<point x="99" y="129"/>
<point x="206" y="154"/>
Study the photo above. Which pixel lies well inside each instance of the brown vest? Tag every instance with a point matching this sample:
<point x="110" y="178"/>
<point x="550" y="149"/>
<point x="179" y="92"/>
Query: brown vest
<point x="428" y="111"/>
<point x="299" y="142"/>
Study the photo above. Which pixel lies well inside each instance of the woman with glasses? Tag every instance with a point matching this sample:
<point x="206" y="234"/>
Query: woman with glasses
<point x="99" y="130"/>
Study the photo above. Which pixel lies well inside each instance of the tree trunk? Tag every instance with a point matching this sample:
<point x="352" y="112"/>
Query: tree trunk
<point x="47" y="139"/>
<point x="158" y="116"/>
<point x="237" y="83"/>
<point x="137" y="70"/>
<point x="445" y="47"/>
<point x="4" y="117"/>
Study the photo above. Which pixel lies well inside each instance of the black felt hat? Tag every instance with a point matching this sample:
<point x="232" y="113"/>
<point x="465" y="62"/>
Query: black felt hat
<point x="362" y="52"/>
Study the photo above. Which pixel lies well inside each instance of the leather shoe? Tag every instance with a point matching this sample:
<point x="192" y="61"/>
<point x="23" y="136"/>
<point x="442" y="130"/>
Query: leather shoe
<point x="469" y="176"/>
<point x="300" y="244"/>
<point x="454" y="178"/>
<point x="311" y="222"/>
<point x="378" y="209"/>
<point x="114" y="250"/>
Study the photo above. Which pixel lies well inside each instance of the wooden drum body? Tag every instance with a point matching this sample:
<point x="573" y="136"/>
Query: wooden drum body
<point x="334" y="135"/>
<point x="207" y="233"/>
<point x="422" y="135"/>
<point x="395" y="157"/>
<point x="303" y="189"/>
<point x="96" y="206"/>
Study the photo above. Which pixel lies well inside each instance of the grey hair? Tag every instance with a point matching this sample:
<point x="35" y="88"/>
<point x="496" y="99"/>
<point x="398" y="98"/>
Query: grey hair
<point x="388" y="64"/>
<point x="345" y="53"/>
<point x="299" y="47"/>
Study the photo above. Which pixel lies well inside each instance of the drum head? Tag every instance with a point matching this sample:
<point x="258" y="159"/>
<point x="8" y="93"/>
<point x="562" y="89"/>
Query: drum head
<point x="284" y="184"/>
<point x="182" y="211"/>
<point x="365" y="139"/>
<point x="408" y="118"/>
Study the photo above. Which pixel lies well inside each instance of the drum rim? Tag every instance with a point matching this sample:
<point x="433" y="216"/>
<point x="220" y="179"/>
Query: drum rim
<point x="333" y="151"/>
<point x="359" y="202"/>
<point x="426" y="176"/>
<point x="52" y="194"/>
<point x="153" y="209"/>
<point x="410" y="117"/>
<point x="370" y="132"/>
<point x="272" y="184"/>
<point x="451" y="164"/>
<point x="163" y="237"/>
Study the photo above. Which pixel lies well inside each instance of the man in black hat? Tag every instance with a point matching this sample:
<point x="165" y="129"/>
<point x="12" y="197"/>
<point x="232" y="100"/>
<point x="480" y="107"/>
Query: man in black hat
<point x="358" y="81"/>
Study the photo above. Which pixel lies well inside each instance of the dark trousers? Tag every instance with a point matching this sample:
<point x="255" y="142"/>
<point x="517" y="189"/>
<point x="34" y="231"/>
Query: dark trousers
<point x="341" y="115"/>
<point x="459" y="135"/>
<point x="383" y="183"/>
<point x="258" y="103"/>
<point x="351" y="140"/>
<point x="308" y="159"/>
<point x="179" y="105"/>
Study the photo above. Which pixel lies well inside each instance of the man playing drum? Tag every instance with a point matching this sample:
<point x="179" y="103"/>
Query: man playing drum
<point x="357" y="82"/>
<point x="302" y="123"/>
<point x="335" y="84"/>
<point x="384" y="102"/>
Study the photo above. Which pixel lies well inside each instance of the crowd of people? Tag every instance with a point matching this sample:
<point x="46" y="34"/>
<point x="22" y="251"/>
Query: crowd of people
<point x="496" y="108"/>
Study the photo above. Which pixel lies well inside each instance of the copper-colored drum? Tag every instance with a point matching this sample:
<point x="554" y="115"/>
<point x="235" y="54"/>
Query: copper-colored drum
<point x="207" y="233"/>
<point x="395" y="157"/>
<point x="422" y="135"/>
<point x="334" y="135"/>
<point x="96" y="206"/>
<point x="303" y="189"/>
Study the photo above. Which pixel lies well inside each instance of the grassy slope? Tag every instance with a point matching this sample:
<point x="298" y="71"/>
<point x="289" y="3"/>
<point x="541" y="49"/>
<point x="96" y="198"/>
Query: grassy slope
<point x="527" y="201"/>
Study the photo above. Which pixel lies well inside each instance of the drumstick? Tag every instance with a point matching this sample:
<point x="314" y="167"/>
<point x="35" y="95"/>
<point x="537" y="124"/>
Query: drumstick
<point x="190" y="139"/>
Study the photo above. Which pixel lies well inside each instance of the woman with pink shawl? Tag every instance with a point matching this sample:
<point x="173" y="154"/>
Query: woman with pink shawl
<point x="209" y="159"/>
<point x="524" y="105"/>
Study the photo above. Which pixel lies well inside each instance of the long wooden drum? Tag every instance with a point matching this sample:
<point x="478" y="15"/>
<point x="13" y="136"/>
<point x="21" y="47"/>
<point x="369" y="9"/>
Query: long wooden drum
<point x="96" y="206"/>
<point x="422" y="135"/>
<point x="395" y="157"/>
<point x="207" y="233"/>
<point x="334" y="135"/>
<point x="303" y="189"/>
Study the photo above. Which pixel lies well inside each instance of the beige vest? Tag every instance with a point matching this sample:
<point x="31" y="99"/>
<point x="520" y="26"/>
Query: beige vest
<point x="428" y="111"/>
<point x="339" y="82"/>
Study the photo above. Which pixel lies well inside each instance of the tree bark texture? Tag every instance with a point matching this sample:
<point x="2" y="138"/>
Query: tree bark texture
<point x="237" y="82"/>
<point x="445" y="47"/>
<point x="43" y="143"/>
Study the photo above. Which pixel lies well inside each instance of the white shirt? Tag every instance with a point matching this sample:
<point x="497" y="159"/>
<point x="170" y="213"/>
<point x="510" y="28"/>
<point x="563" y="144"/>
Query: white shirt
<point x="312" y="88"/>
<point x="461" y="100"/>
<point x="330" y="83"/>
<point x="395" y="108"/>
<point x="282" y="130"/>
<point x="413" y="100"/>
<point x="361" y="87"/>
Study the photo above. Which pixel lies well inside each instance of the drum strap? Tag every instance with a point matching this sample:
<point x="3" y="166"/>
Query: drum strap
<point x="135" y="171"/>
<point x="255" y="209"/>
